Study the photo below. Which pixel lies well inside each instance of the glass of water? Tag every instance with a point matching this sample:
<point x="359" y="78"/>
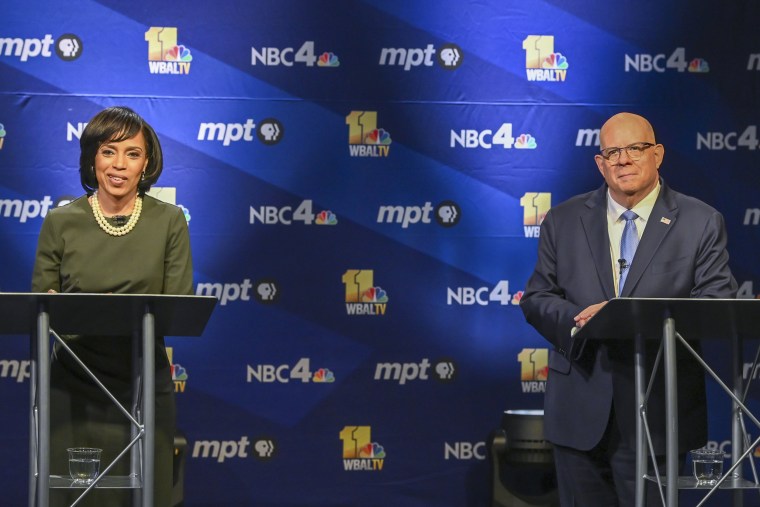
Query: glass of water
<point x="84" y="464"/>
<point x="708" y="466"/>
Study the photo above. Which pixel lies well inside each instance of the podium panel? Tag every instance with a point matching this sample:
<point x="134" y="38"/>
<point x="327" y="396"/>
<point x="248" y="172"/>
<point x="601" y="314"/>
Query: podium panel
<point x="666" y="319"/>
<point x="140" y="316"/>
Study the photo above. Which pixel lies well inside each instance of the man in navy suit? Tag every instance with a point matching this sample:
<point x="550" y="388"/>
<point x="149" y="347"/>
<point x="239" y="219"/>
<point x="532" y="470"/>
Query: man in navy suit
<point x="590" y="404"/>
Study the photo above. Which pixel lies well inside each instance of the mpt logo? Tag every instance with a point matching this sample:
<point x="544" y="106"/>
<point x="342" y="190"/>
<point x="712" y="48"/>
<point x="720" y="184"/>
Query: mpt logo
<point x="449" y="57"/>
<point x="12" y="368"/>
<point x="447" y="214"/>
<point x="265" y="449"/>
<point x="267" y="292"/>
<point x="68" y="47"/>
<point x="222" y="450"/>
<point x="24" y="210"/>
<point x="270" y="131"/>
<point x="226" y="292"/>
<point x="443" y="371"/>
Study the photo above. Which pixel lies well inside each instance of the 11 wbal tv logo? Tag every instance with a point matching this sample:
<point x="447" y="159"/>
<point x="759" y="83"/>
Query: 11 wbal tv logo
<point x="541" y="62"/>
<point x="179" y="373"/>
<point x="362" y="296"/>
<point x="360" y="453"/>
<point x="535" y="207"/>
<point x="534" y="369"/>
<point x="364" y="138"/>
<point x="165" y="56"/>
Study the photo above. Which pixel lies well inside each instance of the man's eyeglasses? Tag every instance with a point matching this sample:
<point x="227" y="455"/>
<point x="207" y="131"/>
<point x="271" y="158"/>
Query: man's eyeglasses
<point x="635" y="151"/>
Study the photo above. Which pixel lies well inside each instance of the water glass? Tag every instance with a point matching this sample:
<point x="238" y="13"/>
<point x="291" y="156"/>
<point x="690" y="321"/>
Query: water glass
<point x="84" y="464"/>
<point x="708" y="466"/>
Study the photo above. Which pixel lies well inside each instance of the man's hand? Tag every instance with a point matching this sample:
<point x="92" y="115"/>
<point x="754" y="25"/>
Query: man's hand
<point x="582" y="318"/>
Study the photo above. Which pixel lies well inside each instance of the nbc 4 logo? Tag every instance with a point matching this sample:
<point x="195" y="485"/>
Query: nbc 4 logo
<point x="643" y="62"/>
<point x="359" y="451"/>
<point x="364" y="138"/>
<point x="362" y="296"/>
<point x="535" y="207"/>
<point x="165" y="56"/>
<point x="534" y="369"/>
<point x="541" y="62"/>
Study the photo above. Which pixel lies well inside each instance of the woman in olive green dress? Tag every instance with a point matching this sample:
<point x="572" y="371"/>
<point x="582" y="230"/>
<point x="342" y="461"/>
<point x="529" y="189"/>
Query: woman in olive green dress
<point x="115" y="240"/>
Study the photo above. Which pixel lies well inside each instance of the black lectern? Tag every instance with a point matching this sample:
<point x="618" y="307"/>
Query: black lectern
<point x="641" y="319"/>
<point x="141" y="316"/>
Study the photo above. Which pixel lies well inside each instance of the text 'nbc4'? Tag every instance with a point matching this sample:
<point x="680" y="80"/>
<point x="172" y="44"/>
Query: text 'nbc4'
<point x="287" y="57"/>
<point x="486" y="139"/>
<point x="644" y="62"/>
<point x="283" y="373"/>
<point x="362" y="296"/>
<point x="286" y="215"/>
<point x="731" y="141"/>
<point x="483" y="296"/>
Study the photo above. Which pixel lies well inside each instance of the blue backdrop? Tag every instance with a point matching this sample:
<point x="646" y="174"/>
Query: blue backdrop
<point x="363" y="183"/>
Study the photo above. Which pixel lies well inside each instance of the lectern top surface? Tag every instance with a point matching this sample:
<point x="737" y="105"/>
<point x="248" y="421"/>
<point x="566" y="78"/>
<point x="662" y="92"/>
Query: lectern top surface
<point x="105" y="314"/>
<point x="695" y="319"/>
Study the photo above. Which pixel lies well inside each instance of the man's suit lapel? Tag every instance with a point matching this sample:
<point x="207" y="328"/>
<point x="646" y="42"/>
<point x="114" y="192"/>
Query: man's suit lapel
<point x="594" y="222"/>
<point x="662" y="219"/>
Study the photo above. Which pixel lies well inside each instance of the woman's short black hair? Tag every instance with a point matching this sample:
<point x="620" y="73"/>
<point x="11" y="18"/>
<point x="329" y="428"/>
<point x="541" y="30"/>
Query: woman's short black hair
<point x="116" y="124"/>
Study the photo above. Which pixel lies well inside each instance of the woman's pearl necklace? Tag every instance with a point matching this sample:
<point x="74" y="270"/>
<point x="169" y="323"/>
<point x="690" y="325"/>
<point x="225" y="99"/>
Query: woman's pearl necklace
<point x="110" y="229"/>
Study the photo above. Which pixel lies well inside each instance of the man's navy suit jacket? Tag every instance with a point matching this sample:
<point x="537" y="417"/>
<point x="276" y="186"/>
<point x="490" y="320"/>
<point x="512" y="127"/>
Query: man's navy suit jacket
<point x="682" y="254"/>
